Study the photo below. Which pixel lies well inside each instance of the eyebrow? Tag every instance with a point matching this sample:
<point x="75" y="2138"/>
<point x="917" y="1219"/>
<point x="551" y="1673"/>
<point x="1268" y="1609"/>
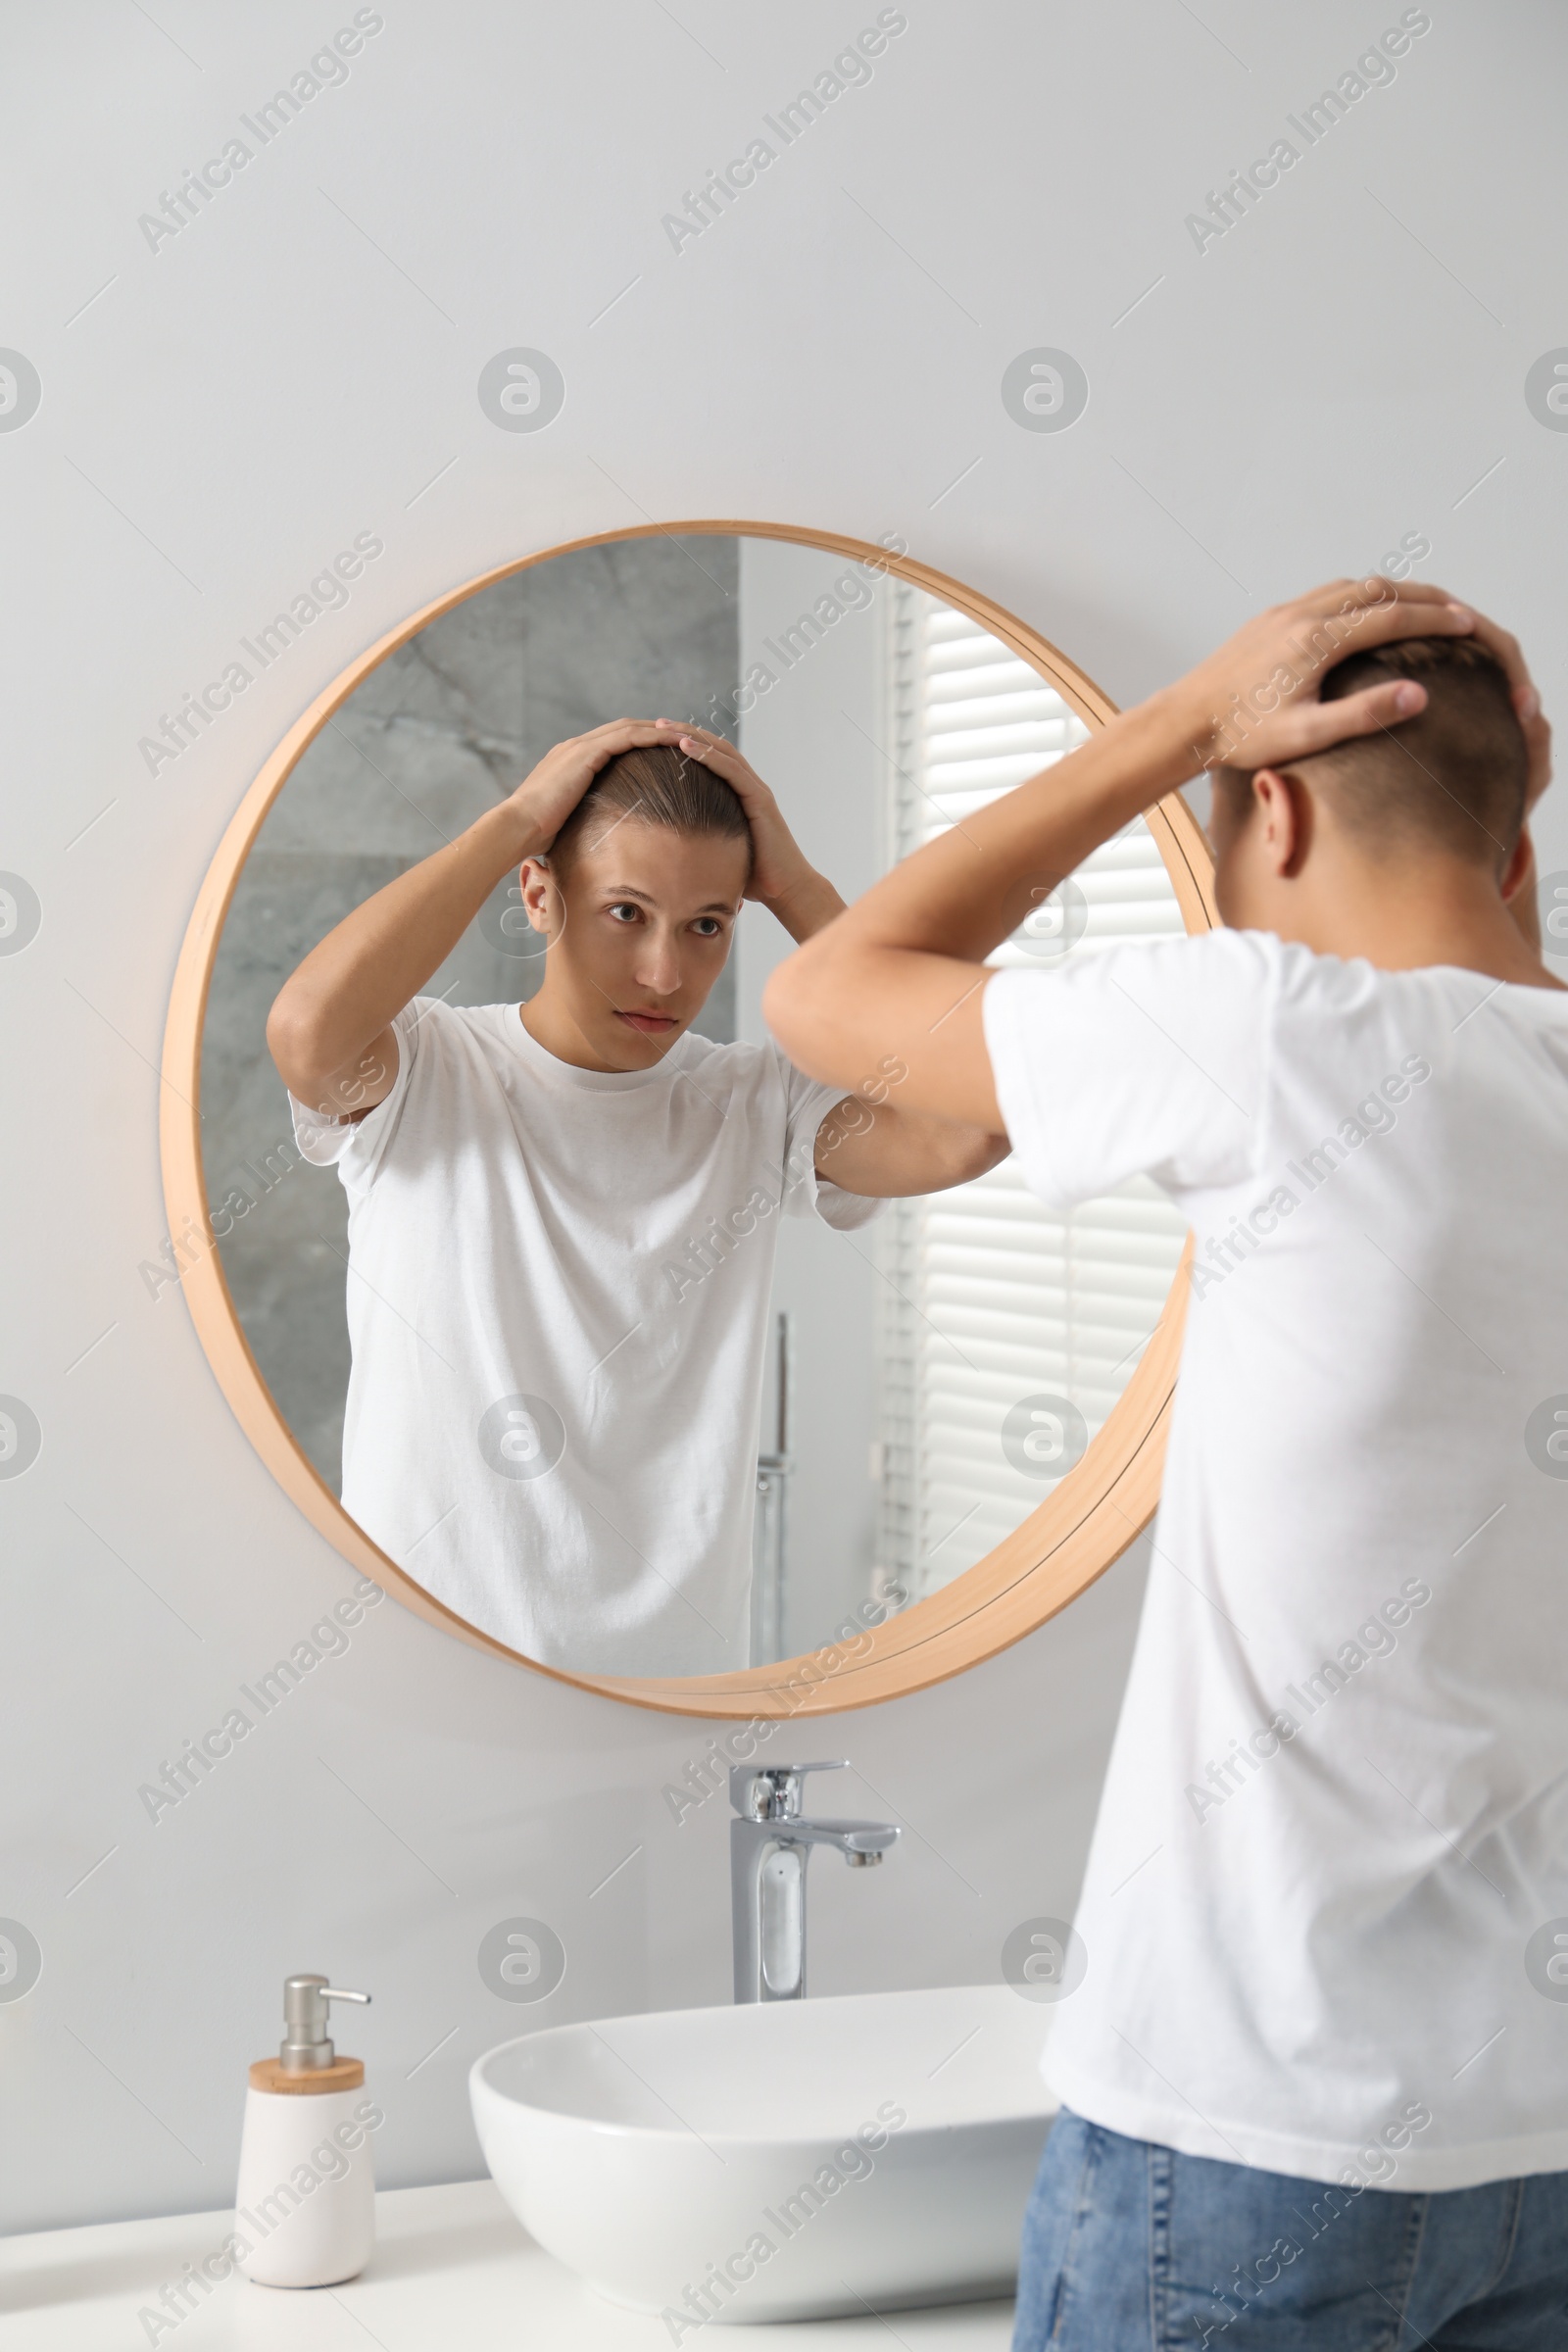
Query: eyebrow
<point x="615" y="892"/>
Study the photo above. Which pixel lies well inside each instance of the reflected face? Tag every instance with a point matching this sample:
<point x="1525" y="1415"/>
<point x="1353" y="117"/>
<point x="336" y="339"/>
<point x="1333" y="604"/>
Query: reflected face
<point x="639" y="927"/>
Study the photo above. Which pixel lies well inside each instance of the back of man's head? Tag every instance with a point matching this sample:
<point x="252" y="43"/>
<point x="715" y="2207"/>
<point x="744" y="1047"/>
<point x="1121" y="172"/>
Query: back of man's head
<point x="654" y="785"/>
<point x="1449" y="782"/>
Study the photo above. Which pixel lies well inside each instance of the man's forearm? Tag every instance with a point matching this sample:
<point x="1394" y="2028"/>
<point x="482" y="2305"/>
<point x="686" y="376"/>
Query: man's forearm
<point x="900" y="972"/>
<point x="347" y="990"/>
<point x="967" y="890"/>
<point x="889" y="1155"/>
<point x="808" y="908"/>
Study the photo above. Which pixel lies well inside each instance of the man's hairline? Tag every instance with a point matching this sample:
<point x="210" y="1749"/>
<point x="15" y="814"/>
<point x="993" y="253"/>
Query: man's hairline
<point x="1400" y="834"/>
<point x="649" y="824"/>
<point x="729" y="908"/>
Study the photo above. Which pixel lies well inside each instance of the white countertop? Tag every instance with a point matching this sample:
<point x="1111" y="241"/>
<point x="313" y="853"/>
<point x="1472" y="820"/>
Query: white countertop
<point x="451" y="2268"/>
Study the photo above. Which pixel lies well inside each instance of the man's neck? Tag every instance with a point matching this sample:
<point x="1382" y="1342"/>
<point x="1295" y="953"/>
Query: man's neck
<point x="1407" y="917"/>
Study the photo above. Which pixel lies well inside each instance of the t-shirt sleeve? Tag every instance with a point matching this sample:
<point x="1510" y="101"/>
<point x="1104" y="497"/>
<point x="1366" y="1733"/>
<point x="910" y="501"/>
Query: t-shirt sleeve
<point x="1145" y="1061"/>
<point x="356" y="1146"/>
<point x="806" y="1194"/>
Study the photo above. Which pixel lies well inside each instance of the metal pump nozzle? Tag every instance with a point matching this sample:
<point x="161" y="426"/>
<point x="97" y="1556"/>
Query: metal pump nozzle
<point x="305" y="2047"/>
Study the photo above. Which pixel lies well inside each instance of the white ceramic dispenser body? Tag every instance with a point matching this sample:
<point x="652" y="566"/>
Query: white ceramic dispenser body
<point x="298" y="2234"/>
<point x="304" y="2209"/>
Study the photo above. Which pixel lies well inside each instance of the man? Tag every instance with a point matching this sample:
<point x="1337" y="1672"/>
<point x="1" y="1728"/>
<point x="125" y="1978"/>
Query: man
<point x="563" y="1214"/>
<point x="1312" y="2076"/>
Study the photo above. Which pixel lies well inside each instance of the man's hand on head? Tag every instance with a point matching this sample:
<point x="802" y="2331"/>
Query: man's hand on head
<point x="551" y="790"/>
<point x="783" y="879"/>
<point x="1256" y="701"/>
<point x="1527" y="705"/>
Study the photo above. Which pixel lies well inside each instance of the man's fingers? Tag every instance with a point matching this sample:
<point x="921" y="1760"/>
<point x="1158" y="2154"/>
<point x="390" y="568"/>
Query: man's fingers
<point x="620" y="735"/>
<point x="1538" y="745"/>
<point x="1303" y="728"/>
<point x="1371" y="589"/>
<point x="1507" y="649"/>
<point x="1418" y="591"/>
<point x="1318" y="725"/>
<point x="1421" y="609"/>
<point x="1403" y="616"/>
<point x="712" y="751"/>
<point x="626" y="729"/>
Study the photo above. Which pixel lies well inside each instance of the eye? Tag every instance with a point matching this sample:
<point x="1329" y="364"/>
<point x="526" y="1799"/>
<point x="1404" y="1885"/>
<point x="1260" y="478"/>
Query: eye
<point x="708" y="926"/>
<point x="625" y="911"/>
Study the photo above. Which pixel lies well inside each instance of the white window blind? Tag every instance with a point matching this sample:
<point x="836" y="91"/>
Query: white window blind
<point x="989" y="1298"/>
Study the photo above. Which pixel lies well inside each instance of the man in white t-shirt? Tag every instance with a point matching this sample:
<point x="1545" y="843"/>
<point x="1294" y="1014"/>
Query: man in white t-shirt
<point x="1312" y="2043"/>
<point x="563" y="1214"/>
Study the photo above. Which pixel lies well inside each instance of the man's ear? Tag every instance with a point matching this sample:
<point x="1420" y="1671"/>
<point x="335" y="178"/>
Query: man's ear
<point x="1520" y="867"/>
<point x="1283" y="812"/>
<point x="541" y="896"/>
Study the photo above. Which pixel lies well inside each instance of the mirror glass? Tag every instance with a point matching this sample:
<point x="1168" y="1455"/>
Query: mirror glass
<point x="866" y="1400"/>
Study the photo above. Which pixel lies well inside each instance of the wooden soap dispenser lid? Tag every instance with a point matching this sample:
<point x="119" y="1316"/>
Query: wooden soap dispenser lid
<point x="306" y="2060"/>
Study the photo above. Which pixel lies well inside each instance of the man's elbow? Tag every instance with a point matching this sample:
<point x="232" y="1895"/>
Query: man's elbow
<point x="793" y="999"/>
<point x="294" y="1041"/>
<point x="975" y="1151"/>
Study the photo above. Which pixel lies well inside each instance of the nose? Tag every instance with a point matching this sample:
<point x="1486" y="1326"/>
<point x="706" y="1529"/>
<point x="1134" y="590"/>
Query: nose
<point x="659" y="963"/>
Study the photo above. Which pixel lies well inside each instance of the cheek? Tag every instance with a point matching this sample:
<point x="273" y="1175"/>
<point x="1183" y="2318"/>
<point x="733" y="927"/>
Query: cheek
<point x="595" y="953"/>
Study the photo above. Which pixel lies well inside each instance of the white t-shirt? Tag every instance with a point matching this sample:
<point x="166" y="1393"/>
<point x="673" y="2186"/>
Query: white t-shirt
<point x="1325" y="1919"/>
<point x="558" y="1302"/>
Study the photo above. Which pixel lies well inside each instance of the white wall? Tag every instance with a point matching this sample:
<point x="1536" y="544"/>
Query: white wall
<point x="298" y="366"/>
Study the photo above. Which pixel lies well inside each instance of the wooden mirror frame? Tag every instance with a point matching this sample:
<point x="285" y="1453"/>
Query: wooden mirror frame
<point x="1084" y="1524"/>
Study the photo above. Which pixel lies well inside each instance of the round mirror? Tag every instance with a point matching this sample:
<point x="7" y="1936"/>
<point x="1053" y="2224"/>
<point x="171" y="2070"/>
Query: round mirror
<point x="599" y="1356"/>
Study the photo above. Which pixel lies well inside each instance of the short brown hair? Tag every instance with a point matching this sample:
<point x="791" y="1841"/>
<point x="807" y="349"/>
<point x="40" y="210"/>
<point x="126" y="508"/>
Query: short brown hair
<point x="1452" y="778"/>
<point x="658" y="785"/>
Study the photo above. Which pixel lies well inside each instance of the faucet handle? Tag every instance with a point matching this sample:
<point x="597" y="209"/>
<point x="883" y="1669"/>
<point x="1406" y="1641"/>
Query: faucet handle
<point x="772" y="1791"/>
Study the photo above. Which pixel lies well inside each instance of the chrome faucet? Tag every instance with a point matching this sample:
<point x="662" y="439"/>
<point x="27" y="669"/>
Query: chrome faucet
<point x="769" y="1847"/>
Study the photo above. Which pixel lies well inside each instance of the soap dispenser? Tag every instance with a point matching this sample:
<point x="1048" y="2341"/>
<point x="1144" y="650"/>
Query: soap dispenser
<point x="304" y="2209"/>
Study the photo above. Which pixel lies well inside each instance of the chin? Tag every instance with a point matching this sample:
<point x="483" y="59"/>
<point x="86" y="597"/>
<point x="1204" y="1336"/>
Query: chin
<point x="630" y="1050"/>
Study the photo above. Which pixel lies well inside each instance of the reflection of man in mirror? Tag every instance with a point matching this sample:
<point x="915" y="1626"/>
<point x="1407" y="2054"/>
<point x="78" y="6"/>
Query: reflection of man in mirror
<point x="563" y="1213"/>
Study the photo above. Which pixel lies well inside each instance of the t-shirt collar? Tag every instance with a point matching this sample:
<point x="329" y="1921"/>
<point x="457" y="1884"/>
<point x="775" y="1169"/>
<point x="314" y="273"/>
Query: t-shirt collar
<point x="554" y="1071"/>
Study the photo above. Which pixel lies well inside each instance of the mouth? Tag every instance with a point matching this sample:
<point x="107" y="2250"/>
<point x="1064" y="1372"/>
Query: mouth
<point x="649" y="1024"/>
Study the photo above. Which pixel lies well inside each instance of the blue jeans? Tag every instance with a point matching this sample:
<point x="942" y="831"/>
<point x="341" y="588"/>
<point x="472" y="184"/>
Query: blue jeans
<point x="1129" y="2247"/>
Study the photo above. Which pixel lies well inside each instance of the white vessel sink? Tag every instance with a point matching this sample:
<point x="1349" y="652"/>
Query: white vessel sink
<point x="792" y="2159"/>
